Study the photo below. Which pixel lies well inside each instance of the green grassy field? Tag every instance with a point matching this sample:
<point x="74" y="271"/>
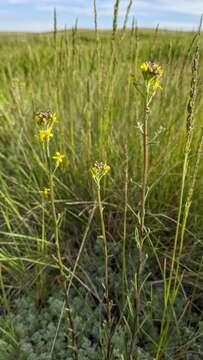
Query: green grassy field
<point x="79" y="278"/>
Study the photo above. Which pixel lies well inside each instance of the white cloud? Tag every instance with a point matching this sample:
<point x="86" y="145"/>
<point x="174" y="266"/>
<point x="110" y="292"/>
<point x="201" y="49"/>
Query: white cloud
<point x="146" y="11"/>
<point x="15" y="2"/>
<point x="173" y="25"/>
<point x="69" y="9"/>
<point x="41" y="2"/>
<point x="190" y="7"/>
<point x="105" y="7"/>
<point x="27" y="25"/>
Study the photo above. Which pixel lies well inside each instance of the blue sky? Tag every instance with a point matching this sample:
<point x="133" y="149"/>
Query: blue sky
<point x="37" y="15"/>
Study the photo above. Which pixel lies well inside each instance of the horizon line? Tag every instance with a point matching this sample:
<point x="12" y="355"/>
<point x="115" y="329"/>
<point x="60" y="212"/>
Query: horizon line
<point x="178" y="29"/>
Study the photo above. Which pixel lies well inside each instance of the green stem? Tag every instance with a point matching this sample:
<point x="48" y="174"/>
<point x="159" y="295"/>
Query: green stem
<point x="138" y="284"/>
<point x="60" y="262"/>
<point x="55" y="221"/>
<point x="43" y="251"/>
<point x="106" y="275"/>
<point x="124" y="274"/>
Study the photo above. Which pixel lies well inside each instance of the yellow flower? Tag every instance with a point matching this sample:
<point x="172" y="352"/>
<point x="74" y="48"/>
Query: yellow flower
<point x="157" y="85"/>
<point x="45" y="134"/>
<point x="152" y="72"/>
<point x="144" y="67"/>
<point x="58" y="157"/>
<point x="151" y="69"/>
<point x="45" y="191"/>
<point x="99" y="170"/>
<point x="44" y="117"/>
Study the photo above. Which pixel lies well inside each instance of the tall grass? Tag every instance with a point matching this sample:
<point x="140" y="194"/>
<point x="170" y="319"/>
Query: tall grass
<point x="85" y="77"/>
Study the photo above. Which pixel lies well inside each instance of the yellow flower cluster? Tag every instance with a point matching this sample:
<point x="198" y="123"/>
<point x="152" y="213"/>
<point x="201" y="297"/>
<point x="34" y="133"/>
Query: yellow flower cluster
<point x="45" y="191"/>
<point x="45" y="117"/>
<point x="151" y="69"/>
<point x="99" y="170"/>
<point x="46" y="120"/>
<point x="152" y="73"/>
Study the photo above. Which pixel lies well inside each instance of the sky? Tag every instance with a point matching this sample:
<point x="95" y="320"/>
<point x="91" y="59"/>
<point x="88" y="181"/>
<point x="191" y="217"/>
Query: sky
<point x="37" y="15"/>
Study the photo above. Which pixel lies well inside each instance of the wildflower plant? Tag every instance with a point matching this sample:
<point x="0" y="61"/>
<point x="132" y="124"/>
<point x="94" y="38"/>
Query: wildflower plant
<point x="98" y="171"/>
<point x="46" y="120"/>
<point x="151" y="74"/>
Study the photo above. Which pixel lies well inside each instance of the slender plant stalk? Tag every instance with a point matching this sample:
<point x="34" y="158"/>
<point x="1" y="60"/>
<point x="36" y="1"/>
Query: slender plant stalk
<point x="58" y="254"/>
<point x="127" y="15"/>
<point x="98" y="171"/>
<point x="115" y="19"/>
<point x="97" y="42"/>
<point x="95" y="17"/>
<point x="189" y="137"/>
<point x="138" y="283"/>
<point x="145" y="172"/>
<point x="74" y="339"/>
<point x="142" y="213"/>
<point x="3" y="297"/>
<point x="43" y="246"/>
<point x="55" y="26"/>
<point x="124" y="271"/>
<point x="186" y="213"/>
<point x="81" y="249"/>
<point x="74" y="43"/>
<point x="55" y="221"/>
<point x="60" y="262"/>
<point x="71" y="322"/>
<point x="42" y="250"/>
<point x="106" y="273"/>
